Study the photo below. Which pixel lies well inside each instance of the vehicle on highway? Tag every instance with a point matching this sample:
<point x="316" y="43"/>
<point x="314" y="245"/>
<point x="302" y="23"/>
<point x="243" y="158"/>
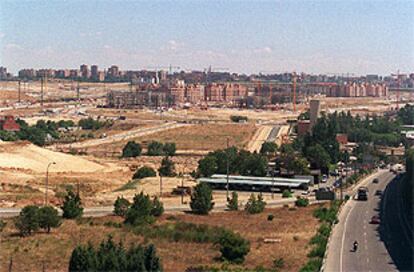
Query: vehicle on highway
<point x="362" y="193"/>
<point x="355" y="246"/>
<point x="324" y="179"/>
<point x="375" y="220"/>
<point x="378" y="192"/>
<point x="375" y="180"/>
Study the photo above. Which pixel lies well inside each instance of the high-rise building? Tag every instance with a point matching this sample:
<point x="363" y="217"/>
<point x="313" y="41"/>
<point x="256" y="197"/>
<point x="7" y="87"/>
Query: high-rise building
<point x="84" y="70"/>
<point x="94" y="72"/>
<point x="3" y="72"/>
<point x="314" y="112"/>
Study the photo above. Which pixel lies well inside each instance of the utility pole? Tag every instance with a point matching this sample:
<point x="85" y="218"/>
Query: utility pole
<point x="47" y="180"/>
<point x="78" y="94"/>
<point x="228" y="167"/>
<point x="18" y="99"/>
<point x="41" y="92"/>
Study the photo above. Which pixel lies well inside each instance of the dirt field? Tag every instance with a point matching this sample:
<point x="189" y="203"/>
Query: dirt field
<point x="205" y="136"/>
<point x="293" y="227"/>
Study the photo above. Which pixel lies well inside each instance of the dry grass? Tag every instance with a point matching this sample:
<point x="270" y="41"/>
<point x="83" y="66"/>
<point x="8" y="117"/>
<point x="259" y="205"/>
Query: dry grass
<point x="205" y="137"/>
<point x="54" y="249"/>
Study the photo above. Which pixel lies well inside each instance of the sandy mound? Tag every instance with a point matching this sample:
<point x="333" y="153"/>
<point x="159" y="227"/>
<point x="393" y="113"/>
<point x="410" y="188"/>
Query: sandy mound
<point x="25" y="155"/>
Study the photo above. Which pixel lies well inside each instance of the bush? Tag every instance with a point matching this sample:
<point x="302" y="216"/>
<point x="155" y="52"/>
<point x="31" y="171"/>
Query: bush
<point x="312" y="265"/>
<point x="91" y="124"/>
<point x="72" y="205"/>
<point x="278" y="264"/>
<point x="131" y="149"/>
<point x="302" y="202"/>
<point x="238" y="118"/>
<point x="270" y="217"/>
<point x="286" y="193"/>
<point x="207" y="166"/>
<point x="233" y="247"/>
<point x="121" y="206"/>
<point x="233" y="202"/>
<point x="27" y="221"/>
<point x="48" y="218"/>
<point x="2" y="225"/>
<point x="268" y="148"/>
<point x="202" y="199"/>
<point x="157" y="207"/>
<point x="254" y="205"/>
<point x="144" y="172"/>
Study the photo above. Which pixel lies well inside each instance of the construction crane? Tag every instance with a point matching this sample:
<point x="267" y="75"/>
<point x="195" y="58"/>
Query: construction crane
<point x="294" y="90"/>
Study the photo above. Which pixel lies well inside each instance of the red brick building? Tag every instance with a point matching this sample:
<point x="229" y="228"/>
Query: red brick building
<point x="8" y="123"/>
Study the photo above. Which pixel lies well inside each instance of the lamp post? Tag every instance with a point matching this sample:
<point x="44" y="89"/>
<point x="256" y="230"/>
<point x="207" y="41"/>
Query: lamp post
<point x="47" y="180"/>
<point x="227" y="168"/>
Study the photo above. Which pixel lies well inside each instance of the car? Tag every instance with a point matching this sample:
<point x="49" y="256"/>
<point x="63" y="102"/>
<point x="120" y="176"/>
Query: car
<point x="324" y="178"/>
<point x="375" y="220"/>
<point x="375" y="180"/>
<point x="378" y="192"/>
<point x="362" y="193"/>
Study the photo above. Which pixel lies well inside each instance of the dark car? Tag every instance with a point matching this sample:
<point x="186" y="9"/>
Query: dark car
<point x="375" y="180"/>
<point x="375" y="220"/>
<point x="362" y="193"/>
<point x="378" y="192"/>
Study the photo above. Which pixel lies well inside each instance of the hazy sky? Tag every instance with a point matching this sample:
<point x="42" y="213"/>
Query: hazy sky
<point x="245" y="36"/>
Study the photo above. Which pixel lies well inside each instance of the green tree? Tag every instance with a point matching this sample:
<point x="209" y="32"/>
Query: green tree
<point x="202" y="199"/>
<point x="318" y="156"/>
<point x="167" y="168"/>
<point x="233" y="202"/>
<point x="121" y="206"/>
<point x="233" y="247"/>
<point x="28" y="220"/>
<point x="48" y="218"/>
<point x="131" y="149"/>
<point x="144" y="172"/>
<point x="155" y="149"/>
<point x="169" y="149"/>
<point x="140" y="211"/>
<point x="72" y="205"/>
<point x="207" y="166"/>
<point x="83" y="258"/>
<point x="298" y="165"/>
<point x="268" y="148"/>
<point x="152" y="261"/>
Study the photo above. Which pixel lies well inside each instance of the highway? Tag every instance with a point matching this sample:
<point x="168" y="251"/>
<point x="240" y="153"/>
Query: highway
<point x="374" y="252"/>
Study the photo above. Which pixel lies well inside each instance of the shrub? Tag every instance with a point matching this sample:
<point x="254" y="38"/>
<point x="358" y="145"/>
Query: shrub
<point x="302" y="202"/>
<point x="278" y="264"/>
<point x="27" y="221"/>
<point x="121" y="206"/>
<point x="131" y="149"/>
<point x="72" y="205"/>
<point x="202" y="199"/>
<point x="268" y="148"/>
<point x="254" y="205"/>
<point x="286" y="193"/>
<point x="157" y="207"/>
<point x="233" y="247"/>
<point x="144" y="172"/>
<point x="207" y="166"/>
<point x="233" y="202"/>
<point x="270" y="217"/>
<point x="48" y="218"/>
<point x="312" y="265"/>
<point x="2" y="225"/>
<point x="238" y="118"/>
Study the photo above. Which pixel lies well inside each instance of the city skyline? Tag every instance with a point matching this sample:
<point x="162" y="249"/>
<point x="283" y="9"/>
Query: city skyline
<point x="246" y="37"/>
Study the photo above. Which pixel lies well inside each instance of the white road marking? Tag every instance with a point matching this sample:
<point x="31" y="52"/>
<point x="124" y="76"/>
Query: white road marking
<point x="343" y="239"/>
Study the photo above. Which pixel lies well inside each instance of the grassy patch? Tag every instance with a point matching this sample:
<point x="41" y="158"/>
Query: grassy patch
<point x="130" y="185"/>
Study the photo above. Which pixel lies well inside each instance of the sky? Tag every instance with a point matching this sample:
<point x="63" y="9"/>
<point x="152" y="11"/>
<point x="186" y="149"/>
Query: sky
<point x="342" y="36"/>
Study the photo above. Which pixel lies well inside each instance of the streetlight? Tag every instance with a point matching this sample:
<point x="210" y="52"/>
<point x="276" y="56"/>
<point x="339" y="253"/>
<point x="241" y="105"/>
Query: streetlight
<point x="47" y="180"/>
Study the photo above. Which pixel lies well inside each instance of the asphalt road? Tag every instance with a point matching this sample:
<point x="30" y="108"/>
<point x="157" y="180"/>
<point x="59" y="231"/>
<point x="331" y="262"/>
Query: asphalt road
<point x="354" y="224"/>
<point x="108" y="210"/>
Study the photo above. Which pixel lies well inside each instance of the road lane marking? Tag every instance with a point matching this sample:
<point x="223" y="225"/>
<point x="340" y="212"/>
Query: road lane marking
<point x="343" y="239"/>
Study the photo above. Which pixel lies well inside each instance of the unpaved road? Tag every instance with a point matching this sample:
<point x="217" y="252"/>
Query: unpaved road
<point x="261" y="136"/>
<point x="134" y="133"/>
